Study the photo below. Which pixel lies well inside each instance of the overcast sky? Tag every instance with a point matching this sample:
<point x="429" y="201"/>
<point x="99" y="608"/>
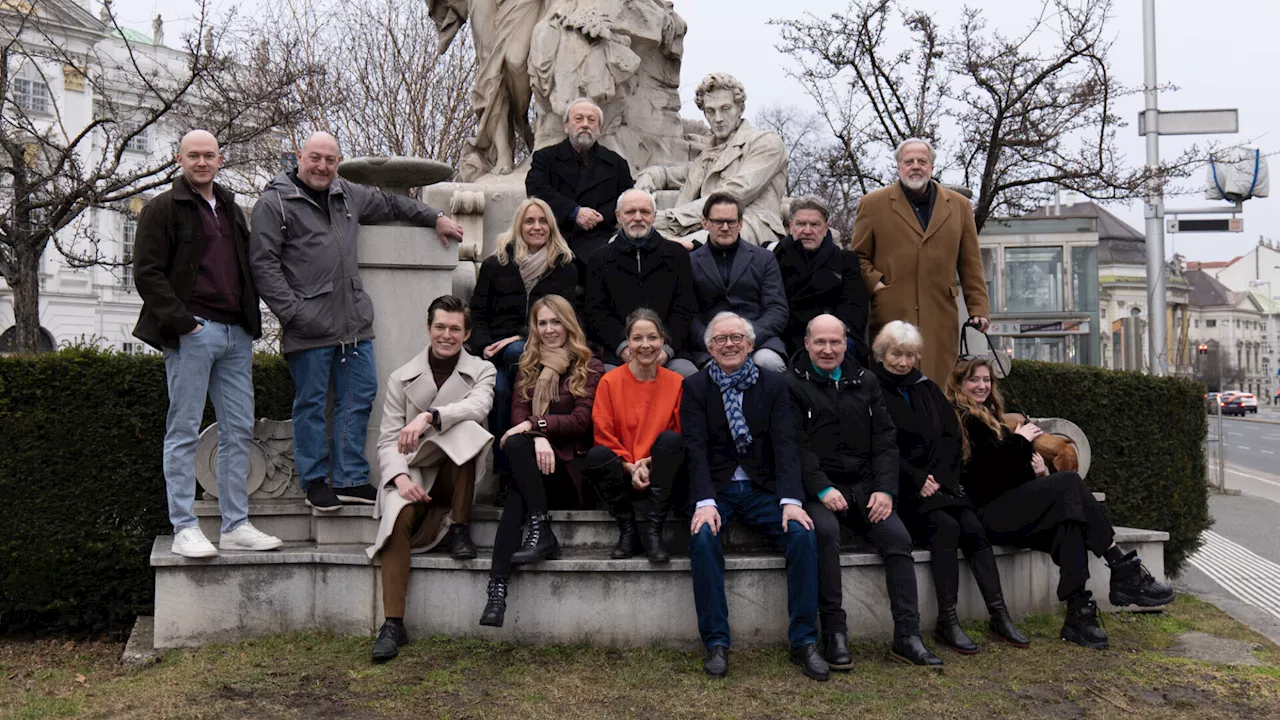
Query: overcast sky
<point x="1225" y="59"/>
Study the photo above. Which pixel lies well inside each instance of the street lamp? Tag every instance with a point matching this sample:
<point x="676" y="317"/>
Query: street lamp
<point x="1273" y="343"/>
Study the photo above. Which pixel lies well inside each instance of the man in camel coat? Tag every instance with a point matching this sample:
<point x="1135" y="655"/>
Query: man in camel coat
<point x="912" y="238"/>
<point x="431" y="449"/>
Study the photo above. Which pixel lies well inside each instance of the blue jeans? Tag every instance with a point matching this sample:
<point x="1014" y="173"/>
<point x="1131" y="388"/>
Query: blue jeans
<point x="507" y="361"/>
<point x="349" y="368"/>
<point x="760" y="511"/>
<point x="217" y="362"/>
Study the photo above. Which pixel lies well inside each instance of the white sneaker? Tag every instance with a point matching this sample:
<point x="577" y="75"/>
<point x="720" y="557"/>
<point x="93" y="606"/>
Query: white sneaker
<point x="248" y="537"/>
<point x="190" y="542"/>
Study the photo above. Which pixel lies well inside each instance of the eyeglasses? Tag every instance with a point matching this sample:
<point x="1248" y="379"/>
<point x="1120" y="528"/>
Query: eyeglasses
<point x="722" y="340"/>
<point x="726" y="224"/>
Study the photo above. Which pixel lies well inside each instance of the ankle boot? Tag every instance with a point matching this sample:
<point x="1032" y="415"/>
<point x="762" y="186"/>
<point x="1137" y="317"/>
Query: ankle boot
<point x="459" y="542"/>
<point x="539" y="542"/>
<point x="983" y="564"/>
<point x="946" y="576"/>
<point x="655" y="520"/>
<point x="495" y="609"/>
<point x="1081" y="625"/>
<point x="628" y="539"/>
<point x="1132" y="584"/>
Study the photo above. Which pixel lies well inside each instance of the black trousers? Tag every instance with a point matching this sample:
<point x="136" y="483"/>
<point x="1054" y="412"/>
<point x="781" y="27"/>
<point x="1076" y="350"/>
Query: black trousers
<point x="891" y="540"/>
<point x="1056" y="514"/>
<point x="604" y="472"/>
<point x="944" y="532"/>
<point x="527" y="496"/>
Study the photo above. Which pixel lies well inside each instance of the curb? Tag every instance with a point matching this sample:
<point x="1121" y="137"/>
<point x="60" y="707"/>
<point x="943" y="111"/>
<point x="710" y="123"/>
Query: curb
<point x="1249" y="419"/>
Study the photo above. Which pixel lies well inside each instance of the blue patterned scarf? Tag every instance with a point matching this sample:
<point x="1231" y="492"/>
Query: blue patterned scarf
<point x="731" y="389"/>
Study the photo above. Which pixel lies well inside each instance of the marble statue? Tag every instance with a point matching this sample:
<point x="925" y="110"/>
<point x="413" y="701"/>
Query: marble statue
<point x="749" y="163"/>
<point x="502" y="31"/>
<point x="625" y="56"/>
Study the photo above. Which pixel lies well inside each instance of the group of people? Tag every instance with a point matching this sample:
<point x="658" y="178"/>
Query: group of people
<point x="609" y="363"/>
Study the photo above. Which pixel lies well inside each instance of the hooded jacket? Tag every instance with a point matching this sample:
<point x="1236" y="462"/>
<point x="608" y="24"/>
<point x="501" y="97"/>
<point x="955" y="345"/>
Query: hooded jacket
<point x="843" y="429"/>
<point x="304" y="262"/>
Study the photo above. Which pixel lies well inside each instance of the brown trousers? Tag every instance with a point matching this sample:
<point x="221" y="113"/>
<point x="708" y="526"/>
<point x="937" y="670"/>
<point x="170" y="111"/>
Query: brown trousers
<point x="454" y="489"/>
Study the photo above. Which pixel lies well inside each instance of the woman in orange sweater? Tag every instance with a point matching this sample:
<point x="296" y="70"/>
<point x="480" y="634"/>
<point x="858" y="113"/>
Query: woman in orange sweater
<point x="638" y="452"/>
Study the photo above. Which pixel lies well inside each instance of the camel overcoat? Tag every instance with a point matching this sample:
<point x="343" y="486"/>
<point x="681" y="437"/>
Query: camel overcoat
<point x="919" y="268"/>
<point x="463" y="402"/>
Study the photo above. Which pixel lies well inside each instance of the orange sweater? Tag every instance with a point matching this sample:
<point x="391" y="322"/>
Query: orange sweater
<point x="629" y="414"/>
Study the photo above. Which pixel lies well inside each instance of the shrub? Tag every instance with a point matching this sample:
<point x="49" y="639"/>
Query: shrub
<point x="82" y="479"/>
<point x="1147" y="435"/>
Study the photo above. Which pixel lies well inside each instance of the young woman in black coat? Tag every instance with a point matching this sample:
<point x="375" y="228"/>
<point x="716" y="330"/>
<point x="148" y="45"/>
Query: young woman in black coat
<point x="937" y="512"/>
<point x="1021" y="504"/>
<point x="532" y="261"/>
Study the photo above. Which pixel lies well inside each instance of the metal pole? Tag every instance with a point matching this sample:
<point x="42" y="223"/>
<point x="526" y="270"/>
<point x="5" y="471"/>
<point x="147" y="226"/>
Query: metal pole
<point x="1222" y="451"/>
<point x="1157" y="327"/>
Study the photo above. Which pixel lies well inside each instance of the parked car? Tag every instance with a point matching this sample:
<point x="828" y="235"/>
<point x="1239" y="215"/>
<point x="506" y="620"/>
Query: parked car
<point x="1250" y="402"/>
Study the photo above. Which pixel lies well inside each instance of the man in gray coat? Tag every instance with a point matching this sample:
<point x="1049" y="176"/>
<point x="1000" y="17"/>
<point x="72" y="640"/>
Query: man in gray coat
<point x="731" y="275"/>
<point x="303" y="260"/>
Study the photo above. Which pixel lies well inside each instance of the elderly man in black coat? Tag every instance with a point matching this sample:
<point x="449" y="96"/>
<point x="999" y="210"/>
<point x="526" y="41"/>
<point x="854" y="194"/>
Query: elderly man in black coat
<point x="820" y="278"/>
<point x="639" y="269"/>
<point x="731" y="275"/>
<point x="737" y="425"/>
<point x="581" y="180"/>
<point x="850" y="470"/>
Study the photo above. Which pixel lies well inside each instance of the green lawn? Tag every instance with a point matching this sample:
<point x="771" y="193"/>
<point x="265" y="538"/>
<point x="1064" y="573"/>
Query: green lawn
<point x="326" y="676"/>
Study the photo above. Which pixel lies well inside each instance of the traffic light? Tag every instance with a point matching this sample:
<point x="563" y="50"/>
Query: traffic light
<point x="1202" y="349"/>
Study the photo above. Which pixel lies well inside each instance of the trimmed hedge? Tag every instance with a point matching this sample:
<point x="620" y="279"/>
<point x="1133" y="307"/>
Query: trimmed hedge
<point x="82" y="480"/>
<point x="1147" y="435"/>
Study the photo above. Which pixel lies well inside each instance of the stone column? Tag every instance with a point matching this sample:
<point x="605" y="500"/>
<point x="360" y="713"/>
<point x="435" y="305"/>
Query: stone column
<point x="403" y="269"/>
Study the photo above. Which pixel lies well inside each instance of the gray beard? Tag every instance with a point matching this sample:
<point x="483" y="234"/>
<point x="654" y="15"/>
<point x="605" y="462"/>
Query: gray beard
<point x="643" y="233"/>
<point x="582" y="142"/>
<point x="915" y="185"/>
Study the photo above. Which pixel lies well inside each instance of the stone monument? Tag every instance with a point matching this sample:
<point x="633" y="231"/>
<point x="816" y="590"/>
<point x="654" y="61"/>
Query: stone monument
<point x="751" y="164"/>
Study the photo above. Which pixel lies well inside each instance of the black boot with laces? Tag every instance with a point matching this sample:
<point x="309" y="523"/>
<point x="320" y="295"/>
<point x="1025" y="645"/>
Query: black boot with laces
<point x="495" y="609"/>
<point x="539" y="542"/>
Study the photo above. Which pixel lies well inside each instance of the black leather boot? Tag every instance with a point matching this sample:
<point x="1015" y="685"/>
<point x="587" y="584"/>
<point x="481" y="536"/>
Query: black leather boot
<point x="628" y="539"/>
<point x="1132" y="584"/>
<point x="655" y="520"/>
<point x="539" y="542"/>
<point x="1081" y="626"/>
<point x="837" y="651"/>
<point x="495" y="608"/>
<point x="1001" y="625"/>
<point x="946" y="576"/>
<point x="459" y="542"/>
<point x="912" y="651"/>
<point x="391" y="636"/>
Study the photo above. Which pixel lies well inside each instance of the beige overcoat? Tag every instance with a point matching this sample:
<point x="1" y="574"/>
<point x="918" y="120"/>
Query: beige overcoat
<point x="463" y="403"/>
<point x="919" y="269"/>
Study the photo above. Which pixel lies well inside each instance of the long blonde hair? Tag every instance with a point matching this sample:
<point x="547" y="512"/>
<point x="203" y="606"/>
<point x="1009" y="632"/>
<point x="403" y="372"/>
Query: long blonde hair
<point x="991" y="412"/>
<point x="575" y="342"/>
<point x="558" y="252"/>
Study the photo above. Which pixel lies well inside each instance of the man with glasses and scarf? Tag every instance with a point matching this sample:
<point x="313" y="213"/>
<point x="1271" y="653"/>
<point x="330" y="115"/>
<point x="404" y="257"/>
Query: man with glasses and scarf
<point x="737" y="425"/>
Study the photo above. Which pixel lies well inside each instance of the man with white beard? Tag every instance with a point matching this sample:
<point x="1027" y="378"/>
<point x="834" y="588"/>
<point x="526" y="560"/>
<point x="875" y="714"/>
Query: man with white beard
<point x="912" y="238"/>
<point x="581" y="181"/>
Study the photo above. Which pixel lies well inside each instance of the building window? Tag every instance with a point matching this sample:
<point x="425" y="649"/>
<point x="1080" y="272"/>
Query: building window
<point x="1135" y="312"/>
<point x="989" y="273"/>
<point x="1195" y="323"/>
<point x="126" y="252"/>
<point x="1211" y="323"/>
<point x="30" y="91"/>
<point x="1104" y="313"/>
<point x="133" y="348"/>
<point x="140" y="142"/>
<point x="1033" y="279"/>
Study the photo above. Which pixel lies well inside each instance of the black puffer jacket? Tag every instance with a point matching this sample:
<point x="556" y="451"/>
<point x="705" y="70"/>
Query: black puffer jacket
<point x="997" y="463"/>
<point x="500" y="305"/>
<point x="842" y="428"/>
<point x="928" y="440"/>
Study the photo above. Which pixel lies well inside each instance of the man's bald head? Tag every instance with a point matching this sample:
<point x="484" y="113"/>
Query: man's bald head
<point x="200" y="160"/>
<point x="825" y="341"/>
<point x="318" y="160"/>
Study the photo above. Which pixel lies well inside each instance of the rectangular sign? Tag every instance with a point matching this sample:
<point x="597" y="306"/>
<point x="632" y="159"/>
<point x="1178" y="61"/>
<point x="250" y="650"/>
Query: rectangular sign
<point x="1016" y="327"/>
<point x="1192" y="122"/>
<point x="1177" y="225"/>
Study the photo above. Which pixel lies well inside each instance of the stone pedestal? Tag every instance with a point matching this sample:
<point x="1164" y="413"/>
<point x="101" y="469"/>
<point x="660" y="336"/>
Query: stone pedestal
<point x="403" y="269"/>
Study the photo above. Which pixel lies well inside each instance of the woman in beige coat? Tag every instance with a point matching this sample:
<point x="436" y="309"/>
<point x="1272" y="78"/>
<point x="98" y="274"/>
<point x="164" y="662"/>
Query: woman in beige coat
<point x="431" y="455"/>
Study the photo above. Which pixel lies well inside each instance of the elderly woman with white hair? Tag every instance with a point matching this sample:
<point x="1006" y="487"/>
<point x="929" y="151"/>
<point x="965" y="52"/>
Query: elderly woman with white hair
<point x="932" y="503"/>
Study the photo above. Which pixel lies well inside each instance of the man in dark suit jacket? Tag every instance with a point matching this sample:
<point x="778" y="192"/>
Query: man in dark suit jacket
<point x="737" y="427"/>
<point x="581" y="181"/>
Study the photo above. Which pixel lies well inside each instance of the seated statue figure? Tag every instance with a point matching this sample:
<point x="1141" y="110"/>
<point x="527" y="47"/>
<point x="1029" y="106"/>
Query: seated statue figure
<point x="747" y="163"/>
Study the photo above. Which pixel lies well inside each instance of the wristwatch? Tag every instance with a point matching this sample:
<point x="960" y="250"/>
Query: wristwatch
<point x="542" y="423"/>
<point x="435" y="417"/>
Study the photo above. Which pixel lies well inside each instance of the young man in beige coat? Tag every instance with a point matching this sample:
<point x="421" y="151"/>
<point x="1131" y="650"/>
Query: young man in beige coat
<point x="431" y="453"/>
